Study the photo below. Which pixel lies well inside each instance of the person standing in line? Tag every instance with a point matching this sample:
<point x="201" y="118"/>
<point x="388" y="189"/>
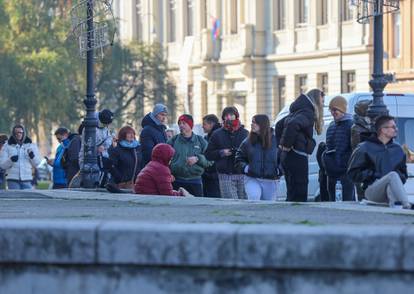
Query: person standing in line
<point x="59" y="175"/>
<point x="295" y="136"/>
<point x="104" y="141"/>
<point x="126" y="159"/>
<point x="18" y="158"/>
<point x="322" y="176"/>
<point x="211" y="186"/>
<point x="338" y="151"/>
<point x="189" y="162"/>
<point x="380" y="165"/>
<point x="153" y="130"/>
<point x="257" y="159"/>
<point x="70" y="158"/>
<point x="361" y="127"/>
<point x="222" y="148"/>
<point x="360" y="131"/>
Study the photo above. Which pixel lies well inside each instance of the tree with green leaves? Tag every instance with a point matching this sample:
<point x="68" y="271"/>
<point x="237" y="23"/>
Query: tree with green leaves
<point x="133" y="76"/>
<point x="42" y="77"/>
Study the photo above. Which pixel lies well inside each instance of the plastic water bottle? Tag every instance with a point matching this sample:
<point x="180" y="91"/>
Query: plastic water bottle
<point x="338" y="191"/>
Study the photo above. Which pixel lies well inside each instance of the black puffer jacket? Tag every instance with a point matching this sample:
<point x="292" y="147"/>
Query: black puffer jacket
<point x="262" y="163"/>
<point x="296" y="129"/>
<point x="372" y="160"/>
<point x="223" y="139"/>
<point x="338" y="139"/>
<point x="126" y="163"/>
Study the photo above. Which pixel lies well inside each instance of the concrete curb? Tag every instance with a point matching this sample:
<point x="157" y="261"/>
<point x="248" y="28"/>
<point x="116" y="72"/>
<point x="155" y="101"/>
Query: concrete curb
<point x="167" y="200"/>
<point x="350" y="248"/>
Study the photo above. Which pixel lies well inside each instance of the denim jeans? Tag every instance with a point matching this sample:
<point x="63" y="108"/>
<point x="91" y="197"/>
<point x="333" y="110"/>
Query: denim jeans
<point x="260" y="189"/>
<point x="19" y="185"/>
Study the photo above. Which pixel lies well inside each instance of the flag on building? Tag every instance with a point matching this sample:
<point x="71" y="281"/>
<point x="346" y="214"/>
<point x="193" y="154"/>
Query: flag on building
<point x="216" y="28"/>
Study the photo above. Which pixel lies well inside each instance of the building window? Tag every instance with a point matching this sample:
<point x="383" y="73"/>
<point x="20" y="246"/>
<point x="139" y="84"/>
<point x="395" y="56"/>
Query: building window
<point x="346" y="10"/>
<point x="234" y="21"/>
<point x="303" y="12"/>
<point x="323" y="82"/>
<point x="138" y="15"/>
<point x="323" y="12"/>
<point x="396" y="24"/>
<point x="279" y="93"/>
<point x="301" y="84"/>
<point x="348" y="82"/>
<point x="171" y="20"/>
<point x="280" y="15"/>
<point x="190" y="17"/>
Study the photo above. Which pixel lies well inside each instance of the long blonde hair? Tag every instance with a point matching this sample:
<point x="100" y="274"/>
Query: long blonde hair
<point x="315" y="96"/>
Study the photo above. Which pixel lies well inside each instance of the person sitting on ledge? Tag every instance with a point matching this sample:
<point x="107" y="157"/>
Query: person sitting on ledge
<point x="156" y="178"/>
<point x="380" y="164"/>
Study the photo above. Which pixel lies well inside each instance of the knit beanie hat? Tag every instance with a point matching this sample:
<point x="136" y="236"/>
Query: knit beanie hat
<point x="338" y="103"/>
<point x="158" y="108"/>
<point x="188" y="119"/>
<point x="106" y="116"/>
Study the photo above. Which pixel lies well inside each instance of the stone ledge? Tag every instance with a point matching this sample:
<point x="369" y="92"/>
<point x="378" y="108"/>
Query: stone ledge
<point x="370" y="248"/>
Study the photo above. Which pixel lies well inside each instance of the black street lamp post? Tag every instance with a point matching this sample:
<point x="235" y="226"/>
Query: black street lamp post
<point x="378" y="81"/>
<point x="92" y="24"/>
<point x="90" y="169"/>
<point x="376" y="9"/>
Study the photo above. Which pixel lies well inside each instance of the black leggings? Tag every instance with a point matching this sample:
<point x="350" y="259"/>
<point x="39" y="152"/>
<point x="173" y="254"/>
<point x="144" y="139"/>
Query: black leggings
<point x="296" y="175"/>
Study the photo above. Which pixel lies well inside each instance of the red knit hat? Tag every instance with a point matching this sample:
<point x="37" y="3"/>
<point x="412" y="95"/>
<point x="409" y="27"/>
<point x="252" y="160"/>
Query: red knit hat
<point x="188" y="119"/>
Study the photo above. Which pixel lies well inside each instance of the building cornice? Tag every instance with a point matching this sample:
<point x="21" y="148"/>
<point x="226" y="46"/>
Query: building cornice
<point x="318" y="54"/>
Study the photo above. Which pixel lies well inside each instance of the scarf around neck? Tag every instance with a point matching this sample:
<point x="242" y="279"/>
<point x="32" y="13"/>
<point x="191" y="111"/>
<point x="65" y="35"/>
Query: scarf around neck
<point x="232" y="125"/>
<point x="126" y="144"/>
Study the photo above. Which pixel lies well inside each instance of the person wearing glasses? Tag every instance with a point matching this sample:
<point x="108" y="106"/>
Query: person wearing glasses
<point x="338" y="149"/>
<point x="380" y="164"/>
<point x="18" y="157"/>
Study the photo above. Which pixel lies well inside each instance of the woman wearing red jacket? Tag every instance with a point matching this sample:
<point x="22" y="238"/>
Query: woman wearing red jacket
<point x="156" y="178"/>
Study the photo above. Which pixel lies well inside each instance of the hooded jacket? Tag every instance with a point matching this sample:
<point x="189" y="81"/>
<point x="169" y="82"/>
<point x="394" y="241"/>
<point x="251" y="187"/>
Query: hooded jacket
<point x="153" y="133"/>
<point x="296" y="130"/>
<point x="22" y="169"/>
<point x="361" y="129"/>
<point x="155" y="178"/>
<point x="372" y="160"/>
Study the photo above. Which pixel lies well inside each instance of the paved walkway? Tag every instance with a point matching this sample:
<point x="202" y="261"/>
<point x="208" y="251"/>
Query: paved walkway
<point x="77" y="205"/>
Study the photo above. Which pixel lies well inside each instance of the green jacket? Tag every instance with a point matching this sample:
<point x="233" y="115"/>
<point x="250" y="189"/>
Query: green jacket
<point x="196" y="146"/>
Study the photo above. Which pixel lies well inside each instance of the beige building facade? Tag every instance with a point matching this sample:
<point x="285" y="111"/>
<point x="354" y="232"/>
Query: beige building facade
<point x="399" y="47"/>
<point x="265" y="54"/>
